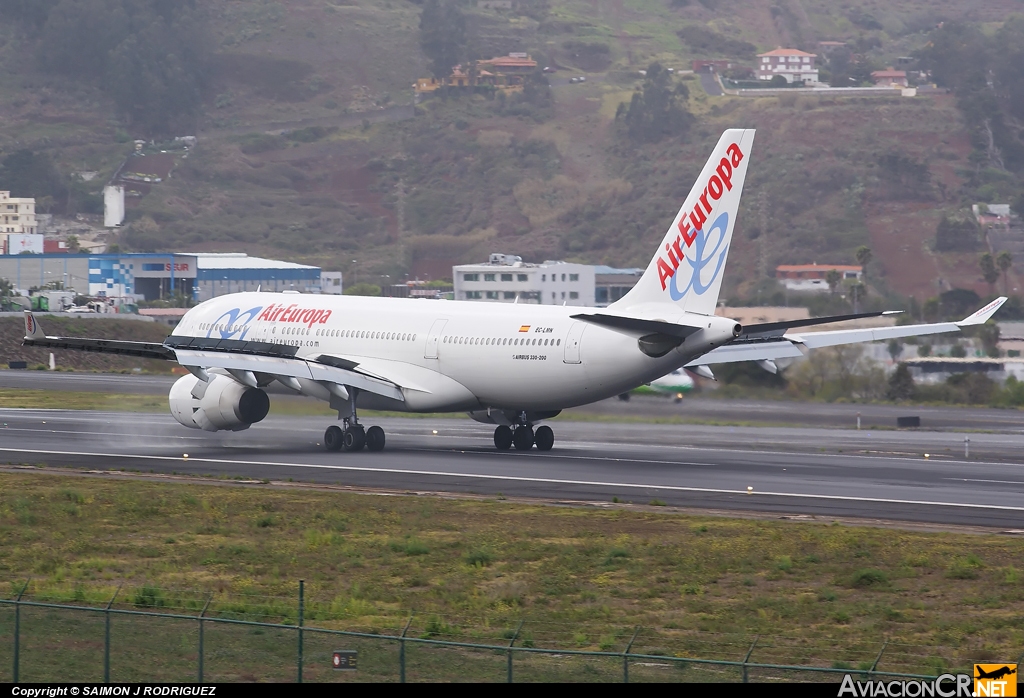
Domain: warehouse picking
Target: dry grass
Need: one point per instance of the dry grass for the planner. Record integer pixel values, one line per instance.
(470, 569)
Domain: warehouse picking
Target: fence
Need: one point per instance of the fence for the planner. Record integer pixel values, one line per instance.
(67, 640)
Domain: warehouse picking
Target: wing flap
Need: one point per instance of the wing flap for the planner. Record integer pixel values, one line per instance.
(730, 353)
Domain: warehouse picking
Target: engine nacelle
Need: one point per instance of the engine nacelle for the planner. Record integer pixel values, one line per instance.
(220, 403)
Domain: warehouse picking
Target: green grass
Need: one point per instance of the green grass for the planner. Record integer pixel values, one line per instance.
(470, 570)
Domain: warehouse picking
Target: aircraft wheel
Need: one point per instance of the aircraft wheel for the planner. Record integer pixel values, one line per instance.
(334, 438)
(624, 397)
(522, 438)
(374, 439)
(544, 438)
(503, 438)
(355, 438)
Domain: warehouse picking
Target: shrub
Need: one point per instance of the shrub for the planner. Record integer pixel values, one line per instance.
(149, 597)
(478, 558)
(966, 568)
(869, 578)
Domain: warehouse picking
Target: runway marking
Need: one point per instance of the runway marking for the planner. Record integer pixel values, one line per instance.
(998, 482)
(518, 478)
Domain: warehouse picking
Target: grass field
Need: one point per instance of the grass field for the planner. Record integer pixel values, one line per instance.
(581, 578)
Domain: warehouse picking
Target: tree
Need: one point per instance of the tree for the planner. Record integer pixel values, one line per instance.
(73, 245)
(864, 256)
(833, 278)
(442, 36)
(957, 231)
(1004, 260)
(988, 269)
(27, 173)
(895, 348)
(363, 289)
(1018, 205)
(901, 384)
(656, 110)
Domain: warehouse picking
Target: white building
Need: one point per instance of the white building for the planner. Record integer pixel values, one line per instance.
(231, 272)
(17, 216)
(792, 64)
(330, 282)
(505, 278)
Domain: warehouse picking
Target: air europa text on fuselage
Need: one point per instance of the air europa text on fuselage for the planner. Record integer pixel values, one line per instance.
(689, 225)
(293, 313)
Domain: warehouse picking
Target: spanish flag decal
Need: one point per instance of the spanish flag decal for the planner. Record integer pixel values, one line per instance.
(524, 328)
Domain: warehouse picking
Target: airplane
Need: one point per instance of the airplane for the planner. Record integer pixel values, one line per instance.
(675, 383)
(508, 365)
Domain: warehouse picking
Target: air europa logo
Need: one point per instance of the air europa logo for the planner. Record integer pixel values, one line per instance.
(293, 313)
(232, 323)
(691, 231)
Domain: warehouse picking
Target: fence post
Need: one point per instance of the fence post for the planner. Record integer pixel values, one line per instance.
(747, 658)
(625, 656)
(106, 635)
(17, 630)
(302, 601)
(201, 647)
(401, 652)
(878, 658)
(510, 643)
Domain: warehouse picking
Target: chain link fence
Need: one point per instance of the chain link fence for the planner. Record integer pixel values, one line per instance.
(160, 635)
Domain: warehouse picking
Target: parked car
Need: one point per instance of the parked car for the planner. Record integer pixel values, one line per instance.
(581, 79)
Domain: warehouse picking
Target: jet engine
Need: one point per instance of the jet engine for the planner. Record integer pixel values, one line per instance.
(220, 403)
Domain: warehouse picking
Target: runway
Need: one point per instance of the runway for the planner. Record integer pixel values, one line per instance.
(799, 471)
(696, 408)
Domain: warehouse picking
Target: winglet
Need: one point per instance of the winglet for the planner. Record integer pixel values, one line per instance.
(980, 317)
(32, 328)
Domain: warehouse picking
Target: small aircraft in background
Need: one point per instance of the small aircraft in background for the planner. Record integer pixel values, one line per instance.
(677, 383)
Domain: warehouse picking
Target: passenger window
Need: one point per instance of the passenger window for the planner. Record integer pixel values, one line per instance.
(559, 342)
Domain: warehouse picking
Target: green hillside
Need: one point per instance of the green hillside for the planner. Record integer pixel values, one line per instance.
(308, 149)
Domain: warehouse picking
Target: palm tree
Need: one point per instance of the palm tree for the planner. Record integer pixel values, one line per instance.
(833, 279)
(864, 258)
(1004, 260)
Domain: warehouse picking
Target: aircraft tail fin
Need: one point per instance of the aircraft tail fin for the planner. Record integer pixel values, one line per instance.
(32, 328)
(687, 267)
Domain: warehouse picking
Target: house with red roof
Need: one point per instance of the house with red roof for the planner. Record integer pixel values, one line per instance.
(794, 65)
(890, 78)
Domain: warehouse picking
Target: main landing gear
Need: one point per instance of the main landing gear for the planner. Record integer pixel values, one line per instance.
(353, 437)
(523, 437)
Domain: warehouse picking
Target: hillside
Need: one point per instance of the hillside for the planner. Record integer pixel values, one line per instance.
(305, 151)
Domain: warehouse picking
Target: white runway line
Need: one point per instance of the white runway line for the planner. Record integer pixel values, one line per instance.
(516, 478)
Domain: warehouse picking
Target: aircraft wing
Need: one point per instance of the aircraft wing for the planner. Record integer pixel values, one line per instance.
(242, 359)
(35, 337)
(793, 345)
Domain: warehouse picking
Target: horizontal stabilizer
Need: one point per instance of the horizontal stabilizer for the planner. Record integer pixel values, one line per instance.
(637, 325)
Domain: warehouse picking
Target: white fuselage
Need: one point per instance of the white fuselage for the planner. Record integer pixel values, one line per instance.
(453, 355)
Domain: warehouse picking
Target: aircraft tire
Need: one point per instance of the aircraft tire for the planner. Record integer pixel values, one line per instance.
(334, 438)
(624, 397)
(544, 438)
(522, 438)
(503, 438)
(355, 438)
(374, 439)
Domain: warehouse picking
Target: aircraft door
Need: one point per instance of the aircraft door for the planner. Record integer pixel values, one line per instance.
(430, 352)
(572, 343)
